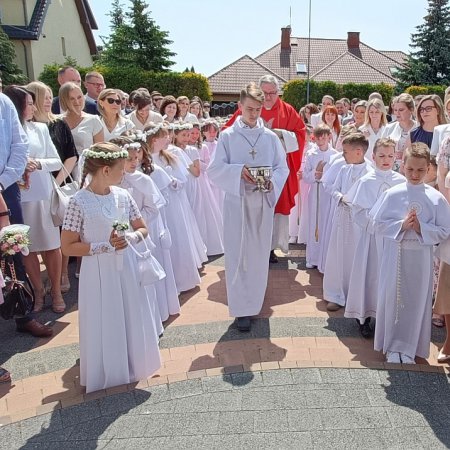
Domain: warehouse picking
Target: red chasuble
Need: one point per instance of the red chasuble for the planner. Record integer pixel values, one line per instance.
(285, 117)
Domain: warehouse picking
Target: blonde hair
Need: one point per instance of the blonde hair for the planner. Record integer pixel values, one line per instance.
(379, 105)
(252, 91)
(384, 142)
(64, 93)
(92, 165)
(161, 131)
(102, 97)
(407, 99)
(40, 90)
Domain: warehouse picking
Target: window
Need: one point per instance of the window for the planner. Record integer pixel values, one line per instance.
(300, 68)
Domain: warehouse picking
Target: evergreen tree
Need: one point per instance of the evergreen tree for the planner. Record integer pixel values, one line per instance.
(10, 71)
(429, 63)
(192, 69)
(136, 41)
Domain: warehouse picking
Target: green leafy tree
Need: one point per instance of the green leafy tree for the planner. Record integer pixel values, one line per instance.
(10, 71)
(136, 41)
(429, 63)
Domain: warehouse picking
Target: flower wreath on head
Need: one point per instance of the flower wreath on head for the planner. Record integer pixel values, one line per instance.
(138, 135)
(180, 126)
(155, 129)
(88, 153)
(132, 146)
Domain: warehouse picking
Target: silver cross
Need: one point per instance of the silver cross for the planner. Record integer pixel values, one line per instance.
(253, 152)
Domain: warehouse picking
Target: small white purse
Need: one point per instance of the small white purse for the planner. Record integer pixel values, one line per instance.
(150, 271)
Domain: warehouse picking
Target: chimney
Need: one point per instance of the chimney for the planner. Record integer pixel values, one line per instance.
(353, 41)
(286, 38)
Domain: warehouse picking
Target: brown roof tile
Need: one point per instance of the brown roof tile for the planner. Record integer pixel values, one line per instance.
(232, 78)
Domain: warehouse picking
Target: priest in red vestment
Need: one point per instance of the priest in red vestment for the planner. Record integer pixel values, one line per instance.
(284, 120)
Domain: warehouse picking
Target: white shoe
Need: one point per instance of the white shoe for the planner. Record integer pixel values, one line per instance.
(310, 266)
(407, 359)
(393, 357)
(293, 240)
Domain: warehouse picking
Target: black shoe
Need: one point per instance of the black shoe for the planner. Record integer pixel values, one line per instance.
(243, 323)
(366, 330)
(273, 258)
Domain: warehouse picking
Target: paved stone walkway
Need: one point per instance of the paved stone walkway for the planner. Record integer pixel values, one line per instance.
(303, 378)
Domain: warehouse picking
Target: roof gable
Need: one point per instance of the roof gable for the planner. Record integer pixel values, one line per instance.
(233, 77)
(348, 68)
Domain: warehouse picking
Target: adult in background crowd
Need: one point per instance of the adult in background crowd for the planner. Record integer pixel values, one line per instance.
(169, 109)
(13, 160)
(68, 74)
(285, 122)
(94, 84)
(143, 113)
(183, 108)
(157, 98)
(327, 100)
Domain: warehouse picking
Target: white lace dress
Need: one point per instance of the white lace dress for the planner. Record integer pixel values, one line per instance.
(118, 340)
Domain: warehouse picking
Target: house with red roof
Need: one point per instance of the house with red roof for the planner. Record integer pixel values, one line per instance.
(338, 60)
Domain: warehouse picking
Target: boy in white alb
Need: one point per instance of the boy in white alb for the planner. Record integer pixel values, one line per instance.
(412, 217)
(318, 198)
(362, 291)
(344, 232)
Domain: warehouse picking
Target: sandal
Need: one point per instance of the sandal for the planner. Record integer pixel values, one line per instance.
(438, 322)
(58, 305)
(39, 300)
(5, 376)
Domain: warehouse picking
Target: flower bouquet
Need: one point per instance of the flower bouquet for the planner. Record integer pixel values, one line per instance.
(14, 239)
(120, 228)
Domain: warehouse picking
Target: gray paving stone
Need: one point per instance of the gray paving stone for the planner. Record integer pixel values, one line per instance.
(402, 416)
(271, 421)
(236, 422)
(246, 379)
(117, 403)
(10, 435)
(357, 439)
(195, 423)
(195, 403)
(306, 376)
(351, 418)
(277, 377)
(427, 379)
(225, 401)
(336, 399)
(273, 400)
(217, 384)
(186, 388)
(379, 397)
(365, 376)
(336, 376)
(128, 427)
(305, 420)
(160, 425)
(432, 437)
(137, 443)
(39, 425)
(80, 413)
(93, 429)
(394, 378)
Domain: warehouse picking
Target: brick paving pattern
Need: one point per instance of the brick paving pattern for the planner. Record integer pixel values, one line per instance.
(302, 378)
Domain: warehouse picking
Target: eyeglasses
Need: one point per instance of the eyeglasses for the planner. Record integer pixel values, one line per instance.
(426, 109)
(114, 100)
(271, 93)
(97, 85)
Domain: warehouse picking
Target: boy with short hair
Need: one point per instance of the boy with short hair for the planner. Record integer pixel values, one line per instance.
(362, 292)
(411, 217)
(318, 199)
(344, 232)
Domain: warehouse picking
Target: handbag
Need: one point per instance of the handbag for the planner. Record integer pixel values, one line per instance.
(61, 196)
(150, 271)
(18, 299)
(165, 239)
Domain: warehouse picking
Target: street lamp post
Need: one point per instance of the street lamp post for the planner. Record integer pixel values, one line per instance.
(309, 54)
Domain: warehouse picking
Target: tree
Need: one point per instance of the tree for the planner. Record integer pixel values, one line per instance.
(10, 71)
(429, 63)
(136, 41)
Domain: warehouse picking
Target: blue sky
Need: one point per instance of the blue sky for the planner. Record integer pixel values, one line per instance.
(210, 34)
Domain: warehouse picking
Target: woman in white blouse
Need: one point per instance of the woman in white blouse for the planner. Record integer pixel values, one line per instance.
(86, 129)
(43, 159)
(374, 123)
(143, 115)
(109, 105)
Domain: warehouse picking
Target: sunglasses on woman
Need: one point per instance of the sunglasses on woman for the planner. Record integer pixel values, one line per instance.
(113, 100)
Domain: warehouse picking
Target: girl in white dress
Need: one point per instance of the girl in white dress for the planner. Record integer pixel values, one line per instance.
(152, 205)
(118, 342)
(210, 130)
(206, 210)
(183, 251)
